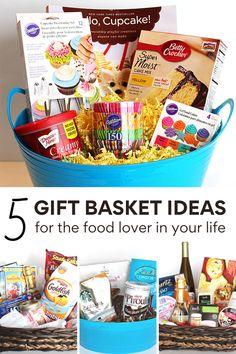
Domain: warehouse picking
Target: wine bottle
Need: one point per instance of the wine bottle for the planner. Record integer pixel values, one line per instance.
(180, 313)
(187, 271)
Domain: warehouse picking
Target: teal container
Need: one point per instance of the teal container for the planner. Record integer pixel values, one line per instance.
(117, 338)
(182, 171)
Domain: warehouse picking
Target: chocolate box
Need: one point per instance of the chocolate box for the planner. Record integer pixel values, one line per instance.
(218, 276)
(180, 67)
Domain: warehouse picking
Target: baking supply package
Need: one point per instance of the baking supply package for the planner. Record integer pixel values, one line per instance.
(180, 67)
(54, 82)
(184, 128)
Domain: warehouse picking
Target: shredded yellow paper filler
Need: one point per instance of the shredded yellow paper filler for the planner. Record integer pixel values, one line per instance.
(151, 113)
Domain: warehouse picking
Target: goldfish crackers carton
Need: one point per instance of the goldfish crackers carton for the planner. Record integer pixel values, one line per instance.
(60, 292)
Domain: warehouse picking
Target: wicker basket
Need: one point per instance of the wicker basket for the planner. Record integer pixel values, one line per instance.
(197, 338)
(22, 339)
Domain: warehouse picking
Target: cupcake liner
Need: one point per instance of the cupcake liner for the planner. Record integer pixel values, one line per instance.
(67, 90)
(120, 134)
(57, 65)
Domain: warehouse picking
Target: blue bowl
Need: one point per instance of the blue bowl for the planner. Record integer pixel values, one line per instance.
(125, 337)
(182, 171)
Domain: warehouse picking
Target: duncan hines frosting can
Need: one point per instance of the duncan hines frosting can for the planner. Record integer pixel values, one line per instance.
(136, 300)
(54, 137)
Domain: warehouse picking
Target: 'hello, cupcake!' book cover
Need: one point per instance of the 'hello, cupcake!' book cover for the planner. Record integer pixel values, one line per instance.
(59, 73)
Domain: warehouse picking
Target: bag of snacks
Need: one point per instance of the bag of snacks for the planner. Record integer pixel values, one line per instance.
(60, 292)
(54, 259)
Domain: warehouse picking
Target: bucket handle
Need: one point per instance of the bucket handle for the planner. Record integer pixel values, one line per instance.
(217, 110)
(14, 91)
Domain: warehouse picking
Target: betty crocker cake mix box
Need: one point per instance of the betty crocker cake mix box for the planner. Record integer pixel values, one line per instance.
(179, 67)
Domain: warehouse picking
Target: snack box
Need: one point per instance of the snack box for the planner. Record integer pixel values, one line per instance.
(117, 272)
(56, 76)
(210, 313)
(218, 276)
(115, 34)
(15, 284)
(184, 128)
(175, 66)
(167, 286)
(7, 305)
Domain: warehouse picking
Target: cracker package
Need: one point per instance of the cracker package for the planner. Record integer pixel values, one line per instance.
(61, 292)
(219, 278)
(54, 259)
(180, 67)
(115, 33)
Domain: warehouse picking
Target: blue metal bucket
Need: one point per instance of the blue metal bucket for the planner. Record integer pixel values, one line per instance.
(125, 337)
(182, 171)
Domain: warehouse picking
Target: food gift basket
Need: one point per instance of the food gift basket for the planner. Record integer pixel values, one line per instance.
(38, 312)
(187, 170)
(120, 317)
(203, 318)
(150, 94)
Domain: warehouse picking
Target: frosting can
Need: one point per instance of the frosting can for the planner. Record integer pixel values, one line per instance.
(54, 137)
(136, 300)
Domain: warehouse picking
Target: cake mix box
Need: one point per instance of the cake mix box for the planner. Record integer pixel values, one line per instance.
(179, 67)
(184, 128)
(218, 277)
(57, 77)
(115, 34)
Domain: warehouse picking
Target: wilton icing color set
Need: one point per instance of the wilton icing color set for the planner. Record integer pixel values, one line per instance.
(184, 128)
